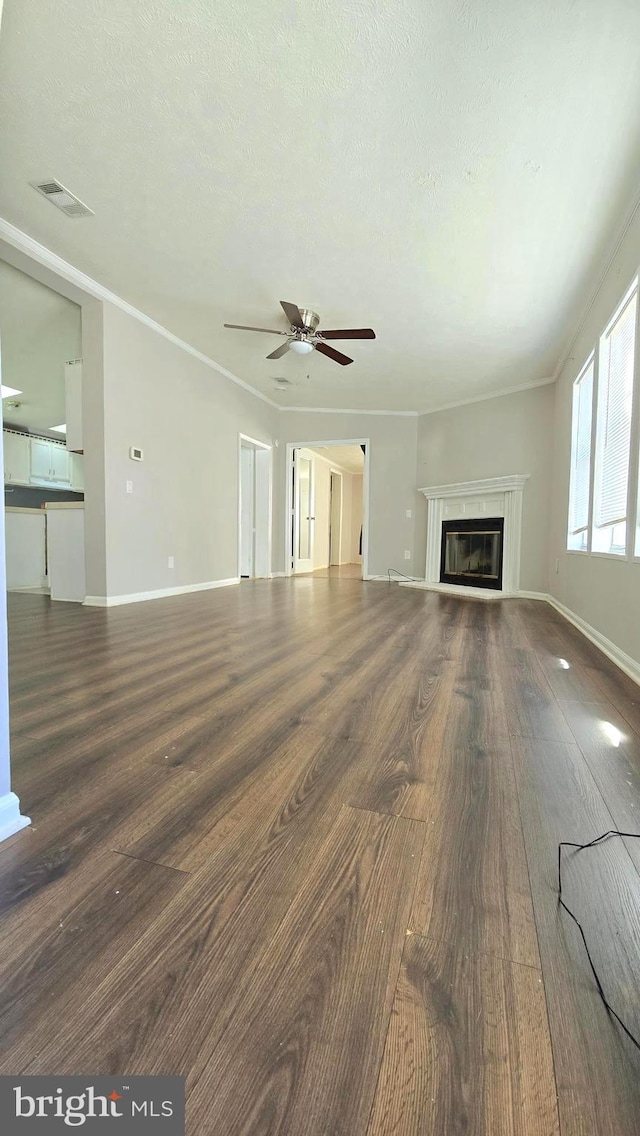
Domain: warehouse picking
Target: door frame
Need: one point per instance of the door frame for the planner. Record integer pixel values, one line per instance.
(265, 466)
(303, 564)
(288, 515)
(337, 474)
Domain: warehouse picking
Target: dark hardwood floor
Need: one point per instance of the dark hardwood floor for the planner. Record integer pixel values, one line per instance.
(297, 840)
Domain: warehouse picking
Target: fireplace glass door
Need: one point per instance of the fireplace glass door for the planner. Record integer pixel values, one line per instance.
(472, 552)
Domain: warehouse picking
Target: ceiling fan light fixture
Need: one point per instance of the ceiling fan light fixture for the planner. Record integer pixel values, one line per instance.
(301, 346)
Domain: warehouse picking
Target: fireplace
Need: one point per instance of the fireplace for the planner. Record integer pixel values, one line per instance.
(471, 552)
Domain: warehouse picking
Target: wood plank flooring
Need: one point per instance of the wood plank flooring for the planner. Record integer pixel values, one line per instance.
(297, 841)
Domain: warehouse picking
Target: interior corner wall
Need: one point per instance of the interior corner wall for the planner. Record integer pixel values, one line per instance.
(392, 471)
(494, 438)
(186, 418)
(604, 592)
(94, 448)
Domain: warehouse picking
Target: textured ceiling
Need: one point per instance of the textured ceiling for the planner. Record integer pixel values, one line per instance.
(449, 173)
(349, 458)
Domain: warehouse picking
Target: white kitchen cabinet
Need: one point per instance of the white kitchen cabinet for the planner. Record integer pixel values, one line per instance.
(60, 470)
(49, 463)
(40, 460)
(17, 458)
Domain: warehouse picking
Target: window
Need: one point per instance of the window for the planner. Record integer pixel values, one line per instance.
(613, 430)
(578, 536)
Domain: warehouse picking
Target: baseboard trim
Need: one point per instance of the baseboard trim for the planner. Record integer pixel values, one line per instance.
(625, 662)
(11, 819)
(161, 593)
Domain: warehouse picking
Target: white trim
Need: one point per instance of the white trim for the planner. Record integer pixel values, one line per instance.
(290, 447)
(495, 394)
(341, 410)
(509, 484)
(490, 497)
(160, 593)
(44, 256)
(255, 442)
(11, 819)
(459, 590)
(626, 663)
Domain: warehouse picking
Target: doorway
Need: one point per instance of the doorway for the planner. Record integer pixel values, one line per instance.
(327, 508)
(335, 519)
(254, 509)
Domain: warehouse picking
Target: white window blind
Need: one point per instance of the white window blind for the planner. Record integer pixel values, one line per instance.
(581, 451)
(615, 397)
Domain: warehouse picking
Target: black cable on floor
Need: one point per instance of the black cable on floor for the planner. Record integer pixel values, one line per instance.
(390, 570)
(570, 844)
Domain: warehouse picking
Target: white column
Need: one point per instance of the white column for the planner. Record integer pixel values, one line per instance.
(11, 819)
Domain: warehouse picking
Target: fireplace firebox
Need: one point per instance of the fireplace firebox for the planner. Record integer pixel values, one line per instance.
(471, 552)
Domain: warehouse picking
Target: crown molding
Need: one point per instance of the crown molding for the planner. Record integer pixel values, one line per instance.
(486, 397)
(91, 288)
(341, 410)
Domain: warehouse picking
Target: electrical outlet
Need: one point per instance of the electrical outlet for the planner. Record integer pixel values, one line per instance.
(408, 514)
(172, 562)
(129, 487)
(407, 554)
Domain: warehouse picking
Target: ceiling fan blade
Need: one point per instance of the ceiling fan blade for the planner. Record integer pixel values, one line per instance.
(331, 353)
(349, 333)
(281, 350)
(243, 327)
(293, 314)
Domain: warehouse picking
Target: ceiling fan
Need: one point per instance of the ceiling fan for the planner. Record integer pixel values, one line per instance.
(303, 335)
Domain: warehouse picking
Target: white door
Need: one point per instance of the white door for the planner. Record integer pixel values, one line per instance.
(303, 518)
(247, 511)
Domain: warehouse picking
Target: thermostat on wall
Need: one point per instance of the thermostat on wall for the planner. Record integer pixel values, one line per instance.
(135, 453)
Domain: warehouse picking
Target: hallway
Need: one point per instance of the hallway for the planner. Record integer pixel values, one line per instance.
(297, 840)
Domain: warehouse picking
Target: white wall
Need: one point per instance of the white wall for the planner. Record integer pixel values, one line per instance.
(25, 545)
(186, 417)
(603, 592)
(40, 331)
(500, 436)
(392, 474)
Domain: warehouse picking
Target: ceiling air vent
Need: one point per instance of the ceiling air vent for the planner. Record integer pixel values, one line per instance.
(282, 384)
(62, 198)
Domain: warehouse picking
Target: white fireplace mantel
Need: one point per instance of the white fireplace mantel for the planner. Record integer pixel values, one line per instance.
(491, 497)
